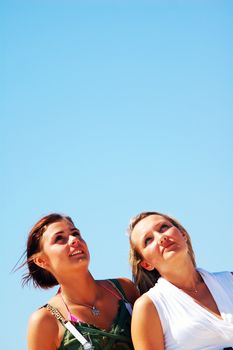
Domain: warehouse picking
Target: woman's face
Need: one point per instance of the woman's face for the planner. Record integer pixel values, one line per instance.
(158, 242)
(62, 247)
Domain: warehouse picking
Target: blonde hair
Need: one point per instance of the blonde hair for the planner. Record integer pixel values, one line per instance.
(145, 279)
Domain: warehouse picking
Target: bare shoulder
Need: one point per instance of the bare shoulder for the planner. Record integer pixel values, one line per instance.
(41, 317)
(130, 289)
(144, 304)
(144, 308)
(144, 314)
(43, 322)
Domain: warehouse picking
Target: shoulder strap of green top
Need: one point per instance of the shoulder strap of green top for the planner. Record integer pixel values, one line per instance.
(116, 284)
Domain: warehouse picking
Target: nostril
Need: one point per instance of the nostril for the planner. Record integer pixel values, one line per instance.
(162, 239)
(74, 241)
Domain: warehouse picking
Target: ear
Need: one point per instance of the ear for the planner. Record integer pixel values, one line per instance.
(185, 236)
(40, 261)
(146, 266)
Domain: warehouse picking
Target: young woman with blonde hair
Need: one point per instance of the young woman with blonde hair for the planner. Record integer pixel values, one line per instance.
(183, 307)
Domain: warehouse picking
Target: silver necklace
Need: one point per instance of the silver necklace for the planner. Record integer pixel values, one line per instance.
(194, 290)
(95, 312)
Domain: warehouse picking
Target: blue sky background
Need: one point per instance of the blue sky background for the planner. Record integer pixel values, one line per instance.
(109, 108)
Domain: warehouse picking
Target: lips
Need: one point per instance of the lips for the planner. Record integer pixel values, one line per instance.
(168, 246)
(77, 253)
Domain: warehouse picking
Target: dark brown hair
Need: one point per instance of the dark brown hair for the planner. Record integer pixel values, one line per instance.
(39, 276)
(144, 279)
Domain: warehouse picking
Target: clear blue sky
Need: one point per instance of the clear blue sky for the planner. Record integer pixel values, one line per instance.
(109, 108)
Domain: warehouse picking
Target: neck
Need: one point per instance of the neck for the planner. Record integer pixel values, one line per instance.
(81, 290)
(185, 277)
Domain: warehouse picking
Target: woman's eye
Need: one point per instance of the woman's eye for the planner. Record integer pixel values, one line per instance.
(164, 228)
(147, 241)
(76, 234)
(59, 238)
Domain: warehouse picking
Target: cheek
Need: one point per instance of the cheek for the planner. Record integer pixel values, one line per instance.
(152, 249)
(175, 232)
(180, 237)
(88, 254)
(85, 244)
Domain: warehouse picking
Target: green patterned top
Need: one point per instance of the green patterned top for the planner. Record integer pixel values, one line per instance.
(117, 338)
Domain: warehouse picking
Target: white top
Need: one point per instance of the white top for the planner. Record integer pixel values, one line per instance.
(189, 326)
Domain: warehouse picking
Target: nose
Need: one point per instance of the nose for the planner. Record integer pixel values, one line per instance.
(74, 241)
(163, 241)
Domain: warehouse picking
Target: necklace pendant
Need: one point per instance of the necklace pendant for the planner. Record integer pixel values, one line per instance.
(95, 311)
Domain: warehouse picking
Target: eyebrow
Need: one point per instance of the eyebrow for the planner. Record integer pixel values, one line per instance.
(59, 232)
(153, 227)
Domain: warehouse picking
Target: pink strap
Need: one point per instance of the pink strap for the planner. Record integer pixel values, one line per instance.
(71, 317)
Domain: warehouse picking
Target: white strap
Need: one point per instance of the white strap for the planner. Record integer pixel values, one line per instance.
(128, 307)
(86, 345)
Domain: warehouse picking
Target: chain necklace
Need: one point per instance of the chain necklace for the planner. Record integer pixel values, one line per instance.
(193, 290)
(94, 310)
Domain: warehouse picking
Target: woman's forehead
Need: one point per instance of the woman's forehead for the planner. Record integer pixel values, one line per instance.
(148, 221)
(57, 226)
(146, 224)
